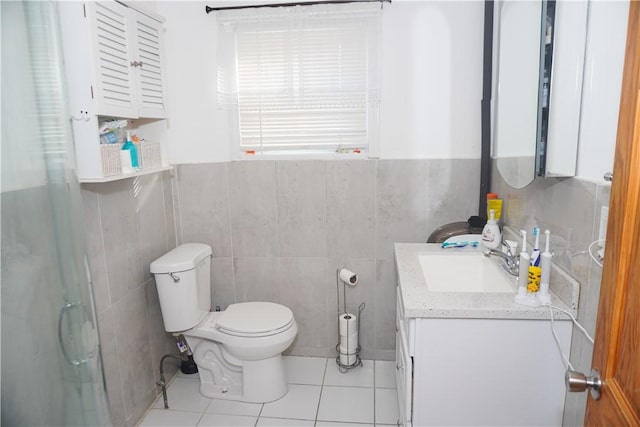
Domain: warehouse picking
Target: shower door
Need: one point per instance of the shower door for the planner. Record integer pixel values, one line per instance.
(50, 355)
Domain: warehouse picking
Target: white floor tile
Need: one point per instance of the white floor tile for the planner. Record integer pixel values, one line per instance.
(385, 374)
(346, 404)
(167, 417)
(361, 376)
(283, 422)
(346, 400)
(232, 407)
(184, 395)
(219, 420)
(301, 402)
(386, 406)
(335, 424)
(305, 370)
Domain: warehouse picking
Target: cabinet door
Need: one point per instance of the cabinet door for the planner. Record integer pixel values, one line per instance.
(147, 35)
(404, 378)
(404, 365)
(113, 56)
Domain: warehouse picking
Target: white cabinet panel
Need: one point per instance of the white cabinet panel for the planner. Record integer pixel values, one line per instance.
(148, 52)
(113, 56)
(126, 58)
(467, 372)
(489, 372)
(404, 364)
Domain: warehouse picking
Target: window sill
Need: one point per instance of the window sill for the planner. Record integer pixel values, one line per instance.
(303, 155)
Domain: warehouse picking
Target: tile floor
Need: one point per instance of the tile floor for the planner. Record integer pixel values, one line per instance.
(319, 395)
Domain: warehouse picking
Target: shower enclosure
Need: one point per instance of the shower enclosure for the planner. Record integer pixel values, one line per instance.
(50, 353)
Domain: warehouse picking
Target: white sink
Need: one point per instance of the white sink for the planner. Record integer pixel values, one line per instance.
(468, 272)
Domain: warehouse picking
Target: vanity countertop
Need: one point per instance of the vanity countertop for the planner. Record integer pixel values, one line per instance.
(419, 301)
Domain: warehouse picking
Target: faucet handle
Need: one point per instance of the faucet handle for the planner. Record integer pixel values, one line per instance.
(512, 247)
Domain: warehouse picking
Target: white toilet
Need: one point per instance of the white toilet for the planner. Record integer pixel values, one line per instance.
(238, 351)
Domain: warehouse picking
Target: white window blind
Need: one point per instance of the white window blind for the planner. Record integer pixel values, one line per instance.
(301, 78)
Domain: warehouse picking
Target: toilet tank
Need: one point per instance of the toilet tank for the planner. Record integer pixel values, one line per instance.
(183, 281)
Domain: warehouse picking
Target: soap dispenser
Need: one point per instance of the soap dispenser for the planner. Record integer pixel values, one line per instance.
(491, 235)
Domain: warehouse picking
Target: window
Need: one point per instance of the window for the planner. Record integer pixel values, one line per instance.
(301, 79)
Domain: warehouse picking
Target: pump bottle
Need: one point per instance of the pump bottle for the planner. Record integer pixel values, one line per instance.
(491, 235)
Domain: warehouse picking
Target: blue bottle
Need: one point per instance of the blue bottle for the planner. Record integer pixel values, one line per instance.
(133, 151)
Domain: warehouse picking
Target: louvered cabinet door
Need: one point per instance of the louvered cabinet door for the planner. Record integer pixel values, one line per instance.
(147, 34)
(113, 56)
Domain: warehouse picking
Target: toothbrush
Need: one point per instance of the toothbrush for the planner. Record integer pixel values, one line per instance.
(545, 263)
(446, 245)
(535, 254)
(523, 271)
(523, 296)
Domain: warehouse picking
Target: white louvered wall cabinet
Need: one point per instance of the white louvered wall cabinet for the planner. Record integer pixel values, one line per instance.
(113, 53)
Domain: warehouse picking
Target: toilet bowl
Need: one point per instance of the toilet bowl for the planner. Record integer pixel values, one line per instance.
(238, 351)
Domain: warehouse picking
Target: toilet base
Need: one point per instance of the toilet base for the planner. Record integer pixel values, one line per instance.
(224, 377)
(264, 380)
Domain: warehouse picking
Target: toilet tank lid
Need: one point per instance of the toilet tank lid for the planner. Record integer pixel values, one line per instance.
(184, 257)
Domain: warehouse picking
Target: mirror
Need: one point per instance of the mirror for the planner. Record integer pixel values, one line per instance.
(538, 65)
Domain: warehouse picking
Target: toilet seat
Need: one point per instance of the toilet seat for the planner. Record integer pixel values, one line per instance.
(245, 320)
(254, 319)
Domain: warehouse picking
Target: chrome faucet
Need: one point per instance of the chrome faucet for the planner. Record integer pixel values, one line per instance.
(511, 261)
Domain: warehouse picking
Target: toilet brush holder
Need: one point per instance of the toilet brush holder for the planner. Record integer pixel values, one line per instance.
(189, 366)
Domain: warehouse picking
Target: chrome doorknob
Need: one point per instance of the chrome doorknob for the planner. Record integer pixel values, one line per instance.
(578, 382)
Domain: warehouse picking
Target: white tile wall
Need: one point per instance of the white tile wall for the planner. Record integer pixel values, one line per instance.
(279, 229)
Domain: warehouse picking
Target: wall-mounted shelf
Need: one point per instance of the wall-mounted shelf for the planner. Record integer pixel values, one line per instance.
(125, 175)
(114, 63)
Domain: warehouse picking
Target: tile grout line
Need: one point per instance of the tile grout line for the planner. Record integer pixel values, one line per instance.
(104, 254)
(229, 224)
(260, 413)
(324, 375)
(374, 392)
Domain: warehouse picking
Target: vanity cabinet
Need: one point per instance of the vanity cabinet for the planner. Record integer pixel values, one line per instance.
(113, 57)
(479, 371)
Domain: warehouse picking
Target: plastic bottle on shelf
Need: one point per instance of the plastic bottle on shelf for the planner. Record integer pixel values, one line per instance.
(133, 152)
(495, 203)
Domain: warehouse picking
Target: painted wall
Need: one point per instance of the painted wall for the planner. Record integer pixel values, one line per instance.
(431, 89)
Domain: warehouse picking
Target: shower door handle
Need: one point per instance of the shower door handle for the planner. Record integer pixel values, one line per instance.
(90, 354)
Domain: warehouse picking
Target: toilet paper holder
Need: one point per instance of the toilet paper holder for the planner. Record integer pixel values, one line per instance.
(347, 357)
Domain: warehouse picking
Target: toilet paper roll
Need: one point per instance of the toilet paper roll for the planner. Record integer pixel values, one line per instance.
(348, 344)
(348, 324)
(348, 359)
(351, 337)
(348, 277)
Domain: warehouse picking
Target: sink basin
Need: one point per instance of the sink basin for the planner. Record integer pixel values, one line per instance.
(470, 272)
